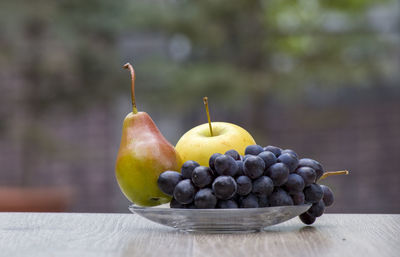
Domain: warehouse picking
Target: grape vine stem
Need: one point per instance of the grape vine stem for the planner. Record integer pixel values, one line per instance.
(332, 173)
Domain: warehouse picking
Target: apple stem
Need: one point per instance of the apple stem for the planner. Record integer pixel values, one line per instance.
(129, 66)
(332, 173)
(205, 100)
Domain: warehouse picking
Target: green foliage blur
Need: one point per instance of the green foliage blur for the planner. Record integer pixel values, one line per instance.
(68, 52)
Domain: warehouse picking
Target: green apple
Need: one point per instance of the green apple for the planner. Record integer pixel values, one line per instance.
(198, 145)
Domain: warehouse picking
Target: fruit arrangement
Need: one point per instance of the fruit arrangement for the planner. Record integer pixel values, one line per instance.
(196, 175)
(262, 177)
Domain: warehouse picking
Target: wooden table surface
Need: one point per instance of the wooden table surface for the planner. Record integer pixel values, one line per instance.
(79, 235)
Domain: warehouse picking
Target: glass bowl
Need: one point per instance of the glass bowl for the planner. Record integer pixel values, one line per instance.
(219, 220)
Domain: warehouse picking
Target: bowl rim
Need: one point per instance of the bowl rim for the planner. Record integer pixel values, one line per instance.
(163, 209)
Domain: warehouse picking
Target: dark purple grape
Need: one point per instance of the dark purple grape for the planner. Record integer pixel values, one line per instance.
(307, 218)
(240, 171)
(289, 151)
(279, 173)
(268, 157)
(224, 187)
(205, 199)
(328, 196)
(275, 150)
(306, 162)
(187, 169)
(211, 161)
(253, 150)
(290, 161)
(254, 167)
(225, 165)
(184, 191)
(308, 174)
(234, 154)
(227, 204)
(317, 209)
(202, 176)
(280, 198)
(249, 201)
(262, 186)
(244, 185)
(298, 198)
(246, 156)
(263, 201)
(190, 206)
(313, 193)
(294, 184)
(168, 180)
(175, 204)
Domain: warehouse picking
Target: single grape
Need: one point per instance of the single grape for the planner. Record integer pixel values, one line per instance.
(306, 162)
(294, 184)
(249, 201)
(313, 193)
(262, 186)
(307, 218)
(246, 156)
(211, 161)
(234, 154)
(202, 176)
(275, 150)
(187, 169)
(225, 165)
(328, 196)
(308, 174)
(290, 161)
(184, 191)
(227, 204)
(240, 171)
(298, 198)
(280, 197)
(263, 201)
(224, 187)
(205, 199)
(289, 151)
(253, 149)
(317, 209)
(279, 173)
(268, 157)
(168, 180)
(254, 167)
(244, 185)
(175, 204)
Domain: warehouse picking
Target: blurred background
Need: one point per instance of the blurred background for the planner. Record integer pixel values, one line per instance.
(320, 77)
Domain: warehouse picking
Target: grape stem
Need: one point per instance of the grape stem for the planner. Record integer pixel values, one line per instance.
(332, 173)
(129, 66)
(205, 100)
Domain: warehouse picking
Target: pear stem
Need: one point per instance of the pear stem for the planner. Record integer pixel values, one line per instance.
(332, 173)
(205, 100)
(129, 66)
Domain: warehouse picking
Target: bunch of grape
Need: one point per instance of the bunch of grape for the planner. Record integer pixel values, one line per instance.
(263, 177)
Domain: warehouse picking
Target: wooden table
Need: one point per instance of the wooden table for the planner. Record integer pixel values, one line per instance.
(79, 235)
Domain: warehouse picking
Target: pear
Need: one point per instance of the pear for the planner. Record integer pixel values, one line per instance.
(143, 155)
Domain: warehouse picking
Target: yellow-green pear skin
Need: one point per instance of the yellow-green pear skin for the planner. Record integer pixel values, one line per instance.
(143, 155)
(198, 145)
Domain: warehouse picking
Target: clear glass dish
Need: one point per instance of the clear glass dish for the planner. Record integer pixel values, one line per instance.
(219, 220)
